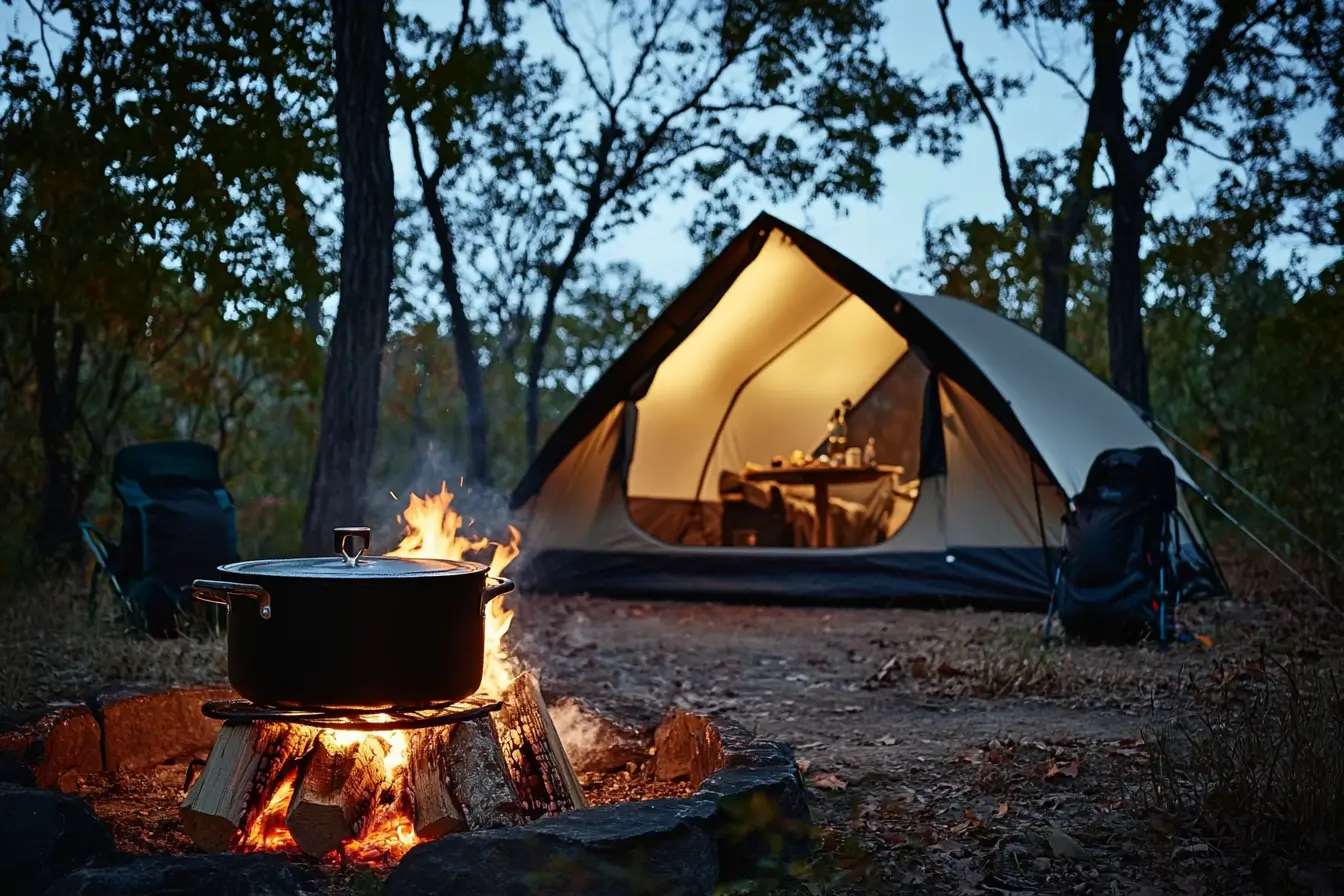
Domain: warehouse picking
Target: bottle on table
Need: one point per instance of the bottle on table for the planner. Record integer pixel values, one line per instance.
(870, 453)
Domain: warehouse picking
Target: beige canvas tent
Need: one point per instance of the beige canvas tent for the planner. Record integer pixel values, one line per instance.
(982, 430)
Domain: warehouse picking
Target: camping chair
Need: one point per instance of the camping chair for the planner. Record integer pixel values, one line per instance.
(178, 524)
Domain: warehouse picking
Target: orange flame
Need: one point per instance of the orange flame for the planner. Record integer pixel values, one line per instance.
(432, 531)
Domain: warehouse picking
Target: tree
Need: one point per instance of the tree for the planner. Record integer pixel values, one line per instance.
(793, 99)
(1228, 66)
(1052, 218)
(465, 98)
(349, 424)
(130, 219)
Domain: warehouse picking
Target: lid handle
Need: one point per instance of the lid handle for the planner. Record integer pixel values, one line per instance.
(345, 538)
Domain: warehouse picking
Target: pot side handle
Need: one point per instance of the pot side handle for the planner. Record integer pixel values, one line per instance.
(215, 592)
(496, 586)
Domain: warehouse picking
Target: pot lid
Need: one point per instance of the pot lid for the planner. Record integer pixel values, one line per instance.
(375, 567)
(351, 562)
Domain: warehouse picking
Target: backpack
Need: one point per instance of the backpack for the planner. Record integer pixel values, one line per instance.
(1116, 579)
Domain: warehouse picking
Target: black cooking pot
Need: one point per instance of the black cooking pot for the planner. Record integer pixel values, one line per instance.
(353, 631)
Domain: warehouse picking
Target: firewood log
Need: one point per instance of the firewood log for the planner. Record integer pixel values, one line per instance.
(535, 757)
(338, 785)
(245, 764)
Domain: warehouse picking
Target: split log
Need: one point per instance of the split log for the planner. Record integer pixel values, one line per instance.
(459, 780)
(338, 785)
(246, 763)
(536, 758)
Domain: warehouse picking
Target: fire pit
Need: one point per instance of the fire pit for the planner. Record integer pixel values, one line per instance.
(687, 802)
(490, 793)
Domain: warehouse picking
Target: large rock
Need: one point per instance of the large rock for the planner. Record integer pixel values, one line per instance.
(44, 834)
(14, 769)
(686, 747)
(208, 875)
(146, 726)
(762, 821)
(593, 742)
(59, 742)
(664, 847)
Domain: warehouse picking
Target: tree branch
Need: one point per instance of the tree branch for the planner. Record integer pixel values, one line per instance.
(1037, 51)
(1010, 192)
(562, 31)
(1206, 60)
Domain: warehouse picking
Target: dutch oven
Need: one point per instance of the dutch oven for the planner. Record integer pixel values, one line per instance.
(354, 631)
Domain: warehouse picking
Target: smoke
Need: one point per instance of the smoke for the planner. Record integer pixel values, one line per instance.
(581, 732)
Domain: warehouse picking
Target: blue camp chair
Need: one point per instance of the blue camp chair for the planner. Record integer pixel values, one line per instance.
(178, 523)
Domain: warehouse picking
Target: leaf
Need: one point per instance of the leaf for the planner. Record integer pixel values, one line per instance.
(1068, 770)
(1064, 846)
(1001, 811)
(885, 740)
(829, 781)
(803, 765)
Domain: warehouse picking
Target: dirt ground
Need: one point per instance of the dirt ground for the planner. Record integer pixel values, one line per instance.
(945, 750)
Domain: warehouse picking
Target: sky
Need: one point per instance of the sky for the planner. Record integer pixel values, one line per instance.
(884, 236)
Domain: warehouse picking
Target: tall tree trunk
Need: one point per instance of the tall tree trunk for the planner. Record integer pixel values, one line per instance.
(1055, 288)
(349, 427)
(62, 495)
(464, 347)
(1124, 295)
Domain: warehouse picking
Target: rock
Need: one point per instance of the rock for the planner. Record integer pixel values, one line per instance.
(686, 747)
(14, 769)
(59, 742)
(1066, 847)
(654, 847)
(44, 834)
(594, 742)
(205, 875)
(144, 727)
(761, 819)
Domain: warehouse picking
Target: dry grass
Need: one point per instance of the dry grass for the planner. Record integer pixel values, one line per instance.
(54, 648)
(1260, 765)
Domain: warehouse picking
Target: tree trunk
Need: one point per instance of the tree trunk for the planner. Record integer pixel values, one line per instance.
(1124, 296)
(62, 500)
(464, 347)
(349, 427)
(535, 364)
(1055, 290)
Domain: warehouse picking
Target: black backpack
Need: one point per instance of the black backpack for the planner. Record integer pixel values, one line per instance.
(1116, 578)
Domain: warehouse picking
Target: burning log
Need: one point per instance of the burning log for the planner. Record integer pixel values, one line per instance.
(245, 764)
(536, 759)
(460, 781)
(339, 783)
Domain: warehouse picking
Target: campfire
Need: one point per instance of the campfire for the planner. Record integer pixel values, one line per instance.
(364, 789)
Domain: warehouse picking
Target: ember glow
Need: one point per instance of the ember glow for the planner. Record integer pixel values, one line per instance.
(388, 830)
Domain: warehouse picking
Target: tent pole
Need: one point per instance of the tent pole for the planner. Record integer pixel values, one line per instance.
(1270, 551)
(1248, 493)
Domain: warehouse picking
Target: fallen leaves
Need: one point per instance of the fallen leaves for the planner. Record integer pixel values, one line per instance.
(1064, 846)
(885, 740)
(828, 781)
(1069, 769)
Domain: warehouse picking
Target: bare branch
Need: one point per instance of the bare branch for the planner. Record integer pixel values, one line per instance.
(1213, 154)
(562, 31)
(1010, 191)
(646, 52)
(1037, 51)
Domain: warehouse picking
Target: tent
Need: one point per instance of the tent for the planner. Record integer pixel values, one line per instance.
(985, 427)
